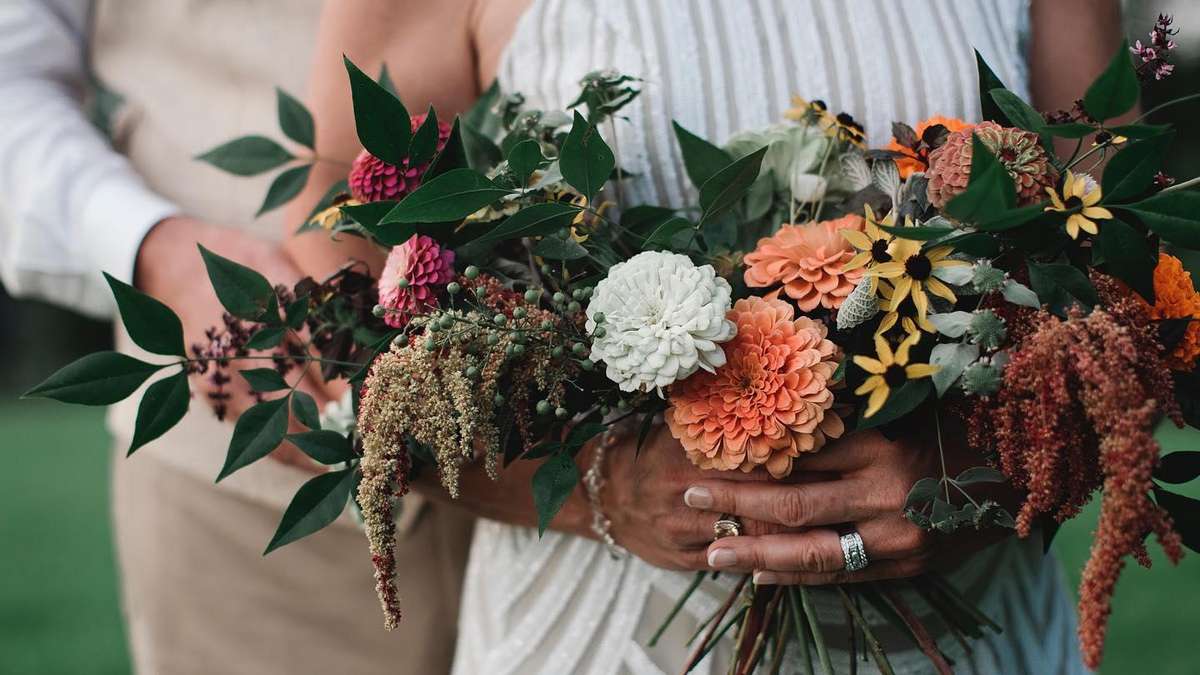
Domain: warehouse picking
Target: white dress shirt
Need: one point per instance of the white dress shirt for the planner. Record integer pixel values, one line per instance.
(70, 205)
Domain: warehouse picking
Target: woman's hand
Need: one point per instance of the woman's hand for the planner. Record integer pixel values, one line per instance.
(644, 498)
(867, 479)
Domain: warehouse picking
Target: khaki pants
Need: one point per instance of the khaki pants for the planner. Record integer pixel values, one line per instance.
(200, 597)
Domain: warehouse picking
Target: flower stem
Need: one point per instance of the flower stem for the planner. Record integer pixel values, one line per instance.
(678, 606)
(881, 659)
(815, 626)
(1182, 186)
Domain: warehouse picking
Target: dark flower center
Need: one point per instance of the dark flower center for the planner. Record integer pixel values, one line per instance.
(895, 376)
(1073, 202)
(918, 267)
(1008, 155)
(879, 252)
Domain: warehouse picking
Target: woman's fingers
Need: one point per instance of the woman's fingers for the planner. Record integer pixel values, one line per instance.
(786, 504)
(883, 570)
(819, 551)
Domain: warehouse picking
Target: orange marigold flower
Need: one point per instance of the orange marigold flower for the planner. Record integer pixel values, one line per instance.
(911, 163)
(770, 402)
(1175, 298)
(809, 260)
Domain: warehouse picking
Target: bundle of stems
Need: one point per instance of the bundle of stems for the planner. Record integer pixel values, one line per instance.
(768, 621)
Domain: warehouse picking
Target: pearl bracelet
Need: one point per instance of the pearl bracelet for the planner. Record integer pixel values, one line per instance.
(593, 482)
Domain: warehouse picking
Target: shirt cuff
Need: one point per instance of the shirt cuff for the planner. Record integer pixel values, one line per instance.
(117, 217)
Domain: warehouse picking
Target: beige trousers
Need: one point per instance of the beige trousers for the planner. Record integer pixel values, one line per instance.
(200, 597)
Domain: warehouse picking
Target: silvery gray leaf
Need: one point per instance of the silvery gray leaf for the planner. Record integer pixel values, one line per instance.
(855, 170)
(1019, 294)
(951, 359)
(886, 176)
(951, 324)
(859, 306)
(956, 275)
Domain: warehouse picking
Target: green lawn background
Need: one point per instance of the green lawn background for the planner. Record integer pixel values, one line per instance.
(59, 610)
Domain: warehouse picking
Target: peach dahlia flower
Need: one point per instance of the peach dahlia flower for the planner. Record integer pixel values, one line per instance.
(771, 400)
(809, 261)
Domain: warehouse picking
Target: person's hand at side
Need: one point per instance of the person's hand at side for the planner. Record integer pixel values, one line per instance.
(169, 268)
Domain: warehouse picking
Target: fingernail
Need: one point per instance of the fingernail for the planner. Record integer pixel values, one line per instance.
(766, 578)
(698, 498)
(722, 557)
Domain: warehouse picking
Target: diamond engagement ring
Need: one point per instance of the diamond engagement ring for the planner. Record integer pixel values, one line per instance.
(853, 552)
(726, 526)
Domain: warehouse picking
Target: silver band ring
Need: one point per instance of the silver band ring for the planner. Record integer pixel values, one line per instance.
(726, 526)
(853, 552)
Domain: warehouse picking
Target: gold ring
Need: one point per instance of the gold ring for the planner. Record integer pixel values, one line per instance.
(726, 526)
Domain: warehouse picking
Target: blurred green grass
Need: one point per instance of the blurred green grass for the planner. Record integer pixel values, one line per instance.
(59, 610)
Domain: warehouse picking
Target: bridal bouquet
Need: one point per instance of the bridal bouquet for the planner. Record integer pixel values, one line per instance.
(967, 273)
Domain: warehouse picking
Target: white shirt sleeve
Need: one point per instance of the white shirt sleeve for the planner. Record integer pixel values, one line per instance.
(70, 205)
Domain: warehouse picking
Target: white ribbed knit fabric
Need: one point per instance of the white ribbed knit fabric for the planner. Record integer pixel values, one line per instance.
(562, 605)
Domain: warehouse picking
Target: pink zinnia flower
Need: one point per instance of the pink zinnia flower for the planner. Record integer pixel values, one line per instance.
(809, 261)
(372, 179)
(411, 277)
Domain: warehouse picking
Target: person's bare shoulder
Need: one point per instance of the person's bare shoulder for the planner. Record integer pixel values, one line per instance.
(492, 24)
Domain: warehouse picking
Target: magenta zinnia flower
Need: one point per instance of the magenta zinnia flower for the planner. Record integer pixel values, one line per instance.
(372, 179)
(413, 273)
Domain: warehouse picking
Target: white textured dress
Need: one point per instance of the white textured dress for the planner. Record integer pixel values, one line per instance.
(561, 604)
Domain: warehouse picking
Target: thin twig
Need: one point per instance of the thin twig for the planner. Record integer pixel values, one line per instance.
(924, 640)
(872, 643)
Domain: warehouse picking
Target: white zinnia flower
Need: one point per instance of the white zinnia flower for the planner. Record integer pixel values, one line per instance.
(664, 318)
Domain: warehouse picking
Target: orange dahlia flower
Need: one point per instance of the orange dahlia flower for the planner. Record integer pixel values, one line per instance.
(1175, 298)
(809, 260)
(911, 162)
(771, 400)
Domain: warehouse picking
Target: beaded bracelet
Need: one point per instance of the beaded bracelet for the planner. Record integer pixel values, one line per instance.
(593, 482)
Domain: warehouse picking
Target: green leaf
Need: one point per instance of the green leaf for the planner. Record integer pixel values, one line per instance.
(297, 312)
(525, 158)
(978, 244)
(383, 124)
(101, 378)
(1128, 255)
(987, 82)
(663, 234)
(553, 483)
(450, 196)
(267, 337)
(284, 188)
(1011, 218)
(264, 379)
(424, 141)
(243, 292)
(163, 405)
(989, 189)
(1178, 467)
(532, 221)
(482, 152)
(1018, 111)
(1069, 130)
(247, 156)
(326, 447)
(899, 403)
(980, 474)
(921, 492)
(1115, 91)
(1130, 172)
(557, 248)
(295, 120)
(481, 116)
(1139, 130)
(1174, 216)
(726, 187)
(304, 408)
(385, 80)
(257, 433)
(452, 156)
(920, 233)
(1185, 515)
(151, 324)
(317, 503)
(586, 161)
(701, 159)
(1060, 285)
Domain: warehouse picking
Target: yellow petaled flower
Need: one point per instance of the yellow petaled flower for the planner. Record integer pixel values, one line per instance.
(871, 242)
(331, 216)
(813, 111)
(889, 370)
(911, 271)
(905, 314)
(1080, 194)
